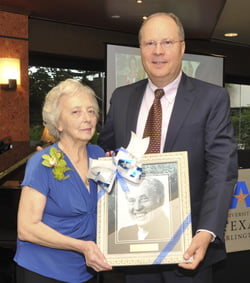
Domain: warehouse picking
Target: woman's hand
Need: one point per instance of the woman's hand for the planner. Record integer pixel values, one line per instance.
(94, 257)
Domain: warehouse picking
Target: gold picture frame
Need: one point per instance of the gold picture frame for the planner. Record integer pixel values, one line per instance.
(123, 248)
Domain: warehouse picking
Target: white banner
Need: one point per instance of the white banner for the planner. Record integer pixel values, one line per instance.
(237, 235)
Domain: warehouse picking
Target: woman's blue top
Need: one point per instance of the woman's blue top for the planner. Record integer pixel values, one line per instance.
(70, 209)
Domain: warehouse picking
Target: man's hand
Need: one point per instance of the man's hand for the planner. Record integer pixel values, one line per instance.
(197, 250)
(109, 153)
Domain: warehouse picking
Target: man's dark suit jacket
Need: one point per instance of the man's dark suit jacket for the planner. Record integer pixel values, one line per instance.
(199, 124)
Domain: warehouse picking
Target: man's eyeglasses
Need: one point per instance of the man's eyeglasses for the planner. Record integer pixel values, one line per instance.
(165, 44)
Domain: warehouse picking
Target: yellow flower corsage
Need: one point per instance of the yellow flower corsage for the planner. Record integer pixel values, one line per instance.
(55, 159)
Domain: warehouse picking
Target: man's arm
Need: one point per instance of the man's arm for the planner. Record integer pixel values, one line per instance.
(222, 168)
(106, 138)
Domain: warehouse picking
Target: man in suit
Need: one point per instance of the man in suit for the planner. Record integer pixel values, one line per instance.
(195, 118)
(145, 204)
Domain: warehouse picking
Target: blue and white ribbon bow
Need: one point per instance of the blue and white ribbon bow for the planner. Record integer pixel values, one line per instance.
(123, 166)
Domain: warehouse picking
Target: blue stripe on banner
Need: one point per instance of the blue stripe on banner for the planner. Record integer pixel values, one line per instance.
(174, 240)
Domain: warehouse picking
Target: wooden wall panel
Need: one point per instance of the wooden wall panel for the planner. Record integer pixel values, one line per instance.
(13, 25)
(14, 105)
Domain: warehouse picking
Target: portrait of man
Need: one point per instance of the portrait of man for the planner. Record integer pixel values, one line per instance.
(146, 208)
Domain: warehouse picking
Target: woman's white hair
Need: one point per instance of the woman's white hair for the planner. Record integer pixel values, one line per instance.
(51, 111)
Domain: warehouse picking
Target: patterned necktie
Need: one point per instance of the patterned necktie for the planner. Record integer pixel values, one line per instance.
(153, 124)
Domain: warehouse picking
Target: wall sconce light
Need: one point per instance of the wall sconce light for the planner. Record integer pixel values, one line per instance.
(9, 73)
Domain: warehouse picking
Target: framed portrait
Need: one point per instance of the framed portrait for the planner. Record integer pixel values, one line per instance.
(149, 222)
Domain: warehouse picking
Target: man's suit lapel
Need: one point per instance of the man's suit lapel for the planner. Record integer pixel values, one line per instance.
(135, 100)
(183, 102)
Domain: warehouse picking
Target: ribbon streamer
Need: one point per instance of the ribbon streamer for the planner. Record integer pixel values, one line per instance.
(170, 245)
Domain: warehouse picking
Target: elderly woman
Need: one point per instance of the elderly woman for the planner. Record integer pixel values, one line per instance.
(57, 209)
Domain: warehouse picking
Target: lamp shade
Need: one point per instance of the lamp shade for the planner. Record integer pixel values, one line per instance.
(9, 70)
